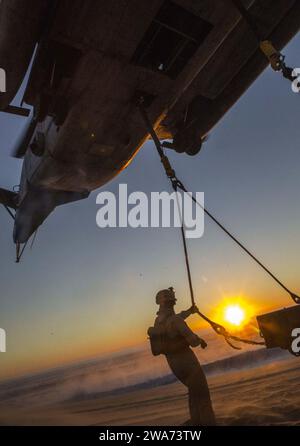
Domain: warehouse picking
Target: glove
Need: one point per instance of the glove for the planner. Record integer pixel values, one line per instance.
(194, 309)
(202, 343)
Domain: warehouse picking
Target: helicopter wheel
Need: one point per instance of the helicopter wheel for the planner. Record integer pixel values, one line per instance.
(187, 141)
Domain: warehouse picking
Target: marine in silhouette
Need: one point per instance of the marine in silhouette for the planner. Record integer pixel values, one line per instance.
(172, 337)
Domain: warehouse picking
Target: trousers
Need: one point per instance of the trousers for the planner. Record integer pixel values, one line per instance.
(187, 369)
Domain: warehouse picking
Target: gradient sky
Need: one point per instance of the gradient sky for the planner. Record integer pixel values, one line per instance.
(82, 290)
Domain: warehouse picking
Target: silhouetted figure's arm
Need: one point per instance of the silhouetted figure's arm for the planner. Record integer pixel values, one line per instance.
(186, 313)
(192, 339)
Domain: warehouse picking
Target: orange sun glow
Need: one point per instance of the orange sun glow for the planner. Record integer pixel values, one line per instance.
(234, 313)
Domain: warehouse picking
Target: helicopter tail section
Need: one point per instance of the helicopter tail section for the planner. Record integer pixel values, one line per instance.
(35, 207)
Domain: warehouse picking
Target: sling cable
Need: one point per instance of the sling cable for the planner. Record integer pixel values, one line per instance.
(177, 184)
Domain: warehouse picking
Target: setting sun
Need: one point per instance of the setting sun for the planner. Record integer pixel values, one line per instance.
(234, 314)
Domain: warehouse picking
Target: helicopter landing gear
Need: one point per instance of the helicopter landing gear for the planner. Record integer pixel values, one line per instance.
(187, 141)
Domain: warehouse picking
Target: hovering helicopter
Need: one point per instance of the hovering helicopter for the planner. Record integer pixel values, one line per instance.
(189, 60)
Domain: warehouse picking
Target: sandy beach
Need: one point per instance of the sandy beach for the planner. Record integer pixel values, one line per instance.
(264, 394)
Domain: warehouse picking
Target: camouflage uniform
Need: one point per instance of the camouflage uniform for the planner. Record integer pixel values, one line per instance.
(185, 365)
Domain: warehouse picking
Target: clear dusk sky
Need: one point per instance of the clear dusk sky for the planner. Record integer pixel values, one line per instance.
(82, 291)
